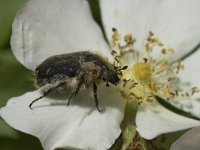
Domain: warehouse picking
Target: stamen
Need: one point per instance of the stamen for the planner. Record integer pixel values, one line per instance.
(146, 75)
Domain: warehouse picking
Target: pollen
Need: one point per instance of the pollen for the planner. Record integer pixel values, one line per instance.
(142, 72)
(147, 74)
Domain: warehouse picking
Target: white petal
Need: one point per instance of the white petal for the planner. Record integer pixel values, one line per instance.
(190, 74)
(189, 141)
(190, 78)
(47, 27)
(79, 126)
(153, 120)
(176, 23)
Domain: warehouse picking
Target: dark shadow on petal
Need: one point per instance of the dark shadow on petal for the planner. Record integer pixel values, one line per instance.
(108, 97)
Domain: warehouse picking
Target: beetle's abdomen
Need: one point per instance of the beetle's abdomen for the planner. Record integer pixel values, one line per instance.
(56, 69)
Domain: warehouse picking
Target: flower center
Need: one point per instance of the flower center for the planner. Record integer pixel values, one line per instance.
(147, 75)
(142, 72)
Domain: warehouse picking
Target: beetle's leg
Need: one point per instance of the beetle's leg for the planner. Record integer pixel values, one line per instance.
(75, 92)
(45, 94)
(95, 96)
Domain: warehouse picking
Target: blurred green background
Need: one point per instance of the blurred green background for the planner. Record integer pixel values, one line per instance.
(16, 79)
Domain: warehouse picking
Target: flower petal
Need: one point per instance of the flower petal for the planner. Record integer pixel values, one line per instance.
(189, 141)
(190, 75)
(47, 27)
(175, 23)
(79, 126)
(153, 120)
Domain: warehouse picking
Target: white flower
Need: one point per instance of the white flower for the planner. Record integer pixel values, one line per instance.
(45, 28)
(176, 23)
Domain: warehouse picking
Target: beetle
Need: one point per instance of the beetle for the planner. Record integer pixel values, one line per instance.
(73, 71)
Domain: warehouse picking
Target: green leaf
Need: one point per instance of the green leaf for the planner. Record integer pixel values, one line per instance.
(95, 10)
(174, 109)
